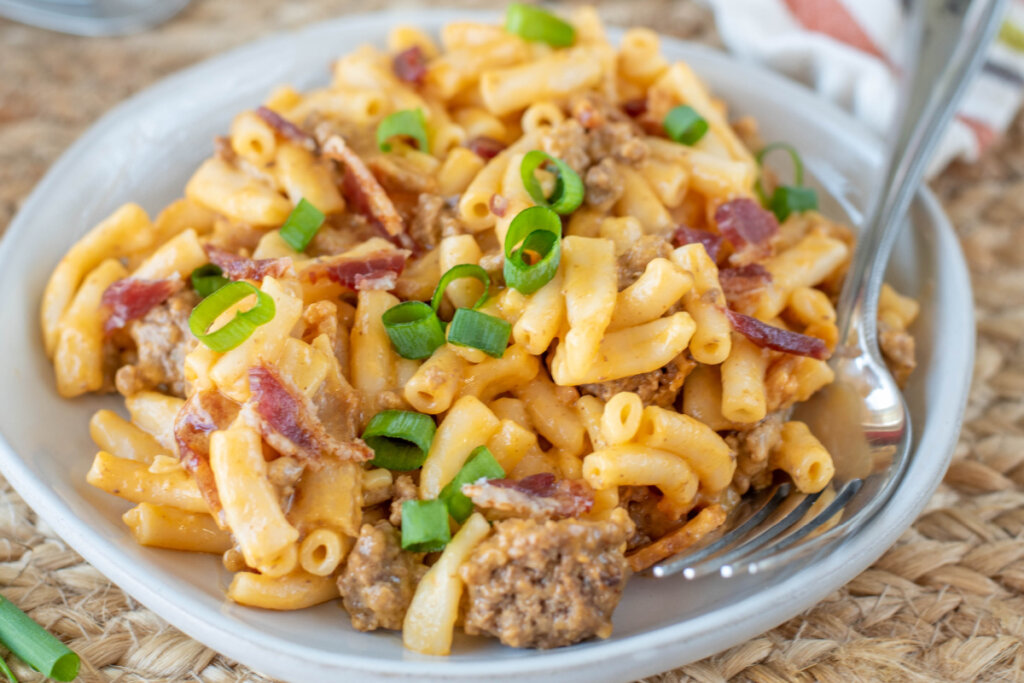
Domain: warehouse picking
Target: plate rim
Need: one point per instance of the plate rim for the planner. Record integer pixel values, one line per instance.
(241, 641)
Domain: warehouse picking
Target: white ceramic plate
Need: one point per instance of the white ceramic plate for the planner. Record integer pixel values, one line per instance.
(145, 150)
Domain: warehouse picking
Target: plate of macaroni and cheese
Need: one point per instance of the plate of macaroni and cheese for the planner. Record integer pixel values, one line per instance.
(403, 345)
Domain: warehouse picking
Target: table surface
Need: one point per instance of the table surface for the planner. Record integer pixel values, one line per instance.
(946, 603)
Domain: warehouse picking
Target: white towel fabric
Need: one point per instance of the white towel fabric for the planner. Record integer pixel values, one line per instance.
(844, 49)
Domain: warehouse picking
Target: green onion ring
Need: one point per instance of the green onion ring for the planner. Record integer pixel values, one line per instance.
(301, 225)
(786, 199)
(414, 329)
(540, 231)
(407, 122)
(241, 326)
(400, 439)
(481, 464)
(684, 125)
(534, 24)
(425, 525)
(207, 279)
(568, 193)
(458, 272)
(479, 330)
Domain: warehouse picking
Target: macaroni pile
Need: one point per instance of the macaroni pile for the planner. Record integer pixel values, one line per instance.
(626, 315)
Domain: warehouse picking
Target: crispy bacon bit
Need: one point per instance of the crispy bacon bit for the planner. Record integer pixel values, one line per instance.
(776, 338)
(288, 421)
(131, 298)
(410, 65)
(286, 128)
(376, 270)
(237, 267)
(636, 107)
(361, 187)
(711, 241)
(484, 147)
(743, 279)
(498, 204)
(743, 221)
(203, 413)
(538, 496)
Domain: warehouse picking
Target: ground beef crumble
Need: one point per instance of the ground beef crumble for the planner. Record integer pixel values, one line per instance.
(658, 387)
(633, 262)
(547, 584)
(752, 447)
(162, 340)
(379, 579)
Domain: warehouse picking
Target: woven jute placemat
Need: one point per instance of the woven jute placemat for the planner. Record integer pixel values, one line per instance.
(945, 604)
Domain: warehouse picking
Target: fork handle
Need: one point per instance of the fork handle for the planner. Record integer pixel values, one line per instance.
(950, 37)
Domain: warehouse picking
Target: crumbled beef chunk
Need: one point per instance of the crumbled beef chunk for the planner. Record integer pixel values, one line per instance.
(568, 142)
(595, 137)
(752, 447)
(162, 340)
(403, 489)
(547, 584)
(618, 140)
(656, 388)
(432, 220)
(898, 351)
(379, 579)
(649, 521)
(633, 262)
(603, 184)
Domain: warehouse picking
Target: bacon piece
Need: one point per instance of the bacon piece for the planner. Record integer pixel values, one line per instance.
(484, 147)
(288, 421)
(205, 412)
(361, 187)
(635, 107)
(132, 298)
(743, 221)
(237, 267)
(539, 496)
(711, 241)
(410, 65)
(776, 338)
(286, 128)
(743, 279)
(376, 270)
(498, 204)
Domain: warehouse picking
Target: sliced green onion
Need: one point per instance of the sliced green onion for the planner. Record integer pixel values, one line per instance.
(684, 125)
(208, 279)
(241, 326)
(406, 123)
(400, 439)
(301, 225)
(480, 465)
(786, 199)
(455, 273)
(540, 231)
(35, 647)
(534, 24)
(425, 525)
(479, 331)
(568, 193)
(414, 329)
(798, 164)
(6, 670)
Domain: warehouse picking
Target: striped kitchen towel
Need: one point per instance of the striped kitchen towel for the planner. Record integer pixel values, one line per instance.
(845, 50)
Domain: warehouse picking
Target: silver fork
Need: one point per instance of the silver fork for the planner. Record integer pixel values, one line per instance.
(780, 524)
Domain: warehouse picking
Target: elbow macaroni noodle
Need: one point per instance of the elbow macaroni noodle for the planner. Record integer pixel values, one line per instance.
(623, 372)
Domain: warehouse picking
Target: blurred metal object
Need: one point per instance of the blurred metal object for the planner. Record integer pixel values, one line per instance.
(91, 17)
